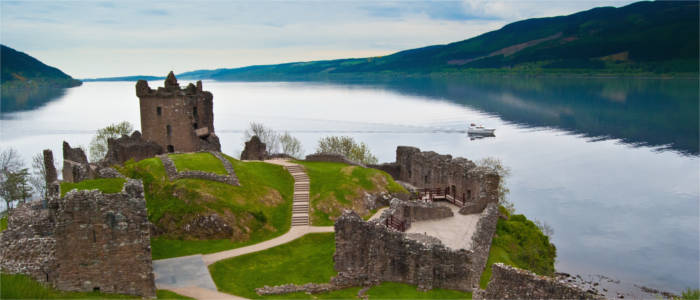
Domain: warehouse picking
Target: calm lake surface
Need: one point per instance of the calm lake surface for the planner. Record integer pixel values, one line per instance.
(611, 164)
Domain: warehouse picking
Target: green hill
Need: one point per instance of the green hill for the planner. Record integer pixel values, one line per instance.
(27, 82)
(637, 39)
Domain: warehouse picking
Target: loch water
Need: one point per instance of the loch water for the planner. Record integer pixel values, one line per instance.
(610, 164)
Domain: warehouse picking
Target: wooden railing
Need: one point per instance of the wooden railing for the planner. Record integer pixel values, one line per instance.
(440, 194)
(395, 223)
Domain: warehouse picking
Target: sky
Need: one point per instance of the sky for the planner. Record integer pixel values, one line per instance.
(89, 39)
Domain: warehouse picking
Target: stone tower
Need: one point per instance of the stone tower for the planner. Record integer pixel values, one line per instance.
(177, 119)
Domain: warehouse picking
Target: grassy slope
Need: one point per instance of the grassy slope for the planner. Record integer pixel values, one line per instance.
(202, 161)
(335, 186)
(105, 185)
(519, 243)
(311, 259)
(23, 287)
(261, 206)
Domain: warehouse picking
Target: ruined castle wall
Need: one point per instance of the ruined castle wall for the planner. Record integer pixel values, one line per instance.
(460, 177)
(482, 238)
(103, 242)
(130, 147)
(27, 245)
(176, 112)
(170, 116)
(369, 252)
(75, 164)
(411, 211)
(84, 241)
(511, 283)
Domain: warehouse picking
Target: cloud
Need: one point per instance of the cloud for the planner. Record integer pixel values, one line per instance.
(211, 34)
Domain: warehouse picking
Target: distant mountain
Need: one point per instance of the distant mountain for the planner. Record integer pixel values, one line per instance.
(27, 82)
(642, 38)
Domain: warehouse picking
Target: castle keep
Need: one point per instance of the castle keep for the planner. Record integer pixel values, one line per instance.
(177, 119)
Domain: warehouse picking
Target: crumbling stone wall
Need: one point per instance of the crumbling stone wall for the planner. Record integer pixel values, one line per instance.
(75, 164)
(51, 177)
(460, 177)
(130, 147)
(27, 246)
(84, 241)
(419, 210)
(174, 174)
(254, 149)
(368, 253)
(512, 283)
(103, 242)
(482, 238)
(178, 119)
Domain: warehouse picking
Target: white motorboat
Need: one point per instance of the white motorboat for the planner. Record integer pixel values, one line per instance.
(480, 130)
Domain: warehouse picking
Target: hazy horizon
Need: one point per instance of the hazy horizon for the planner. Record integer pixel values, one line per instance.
(89, 39)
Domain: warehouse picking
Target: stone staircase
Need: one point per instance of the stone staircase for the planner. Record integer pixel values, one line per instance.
(300, 206)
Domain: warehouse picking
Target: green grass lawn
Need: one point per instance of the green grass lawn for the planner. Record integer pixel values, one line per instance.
(519, 243)
(106, 185)
(200, 161)
(336, 186)
(259, 209)
(307, 259)
(18, 286)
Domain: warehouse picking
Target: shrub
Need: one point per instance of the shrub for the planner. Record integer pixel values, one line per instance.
(346, 146)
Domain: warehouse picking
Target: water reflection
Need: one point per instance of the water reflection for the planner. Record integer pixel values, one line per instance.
(641, 112)
(23, 99)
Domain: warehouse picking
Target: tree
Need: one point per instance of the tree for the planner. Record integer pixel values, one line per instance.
(98, 145)
(15, 187)
(10, 163)
(38, 178)
(266, 135)
(497, 166)
(347, 147)
(291, 145)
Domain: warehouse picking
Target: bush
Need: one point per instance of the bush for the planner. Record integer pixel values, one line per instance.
(347, 147)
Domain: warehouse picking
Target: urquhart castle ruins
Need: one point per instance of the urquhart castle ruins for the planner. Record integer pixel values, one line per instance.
(87, 240)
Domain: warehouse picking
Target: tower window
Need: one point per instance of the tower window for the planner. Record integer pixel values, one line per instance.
(194, 113)
(171, 148)
(159, 110)
(169, 130)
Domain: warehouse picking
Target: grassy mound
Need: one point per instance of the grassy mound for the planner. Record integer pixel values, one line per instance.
(105, 185)
(257, 210)
(336, 186)
(200, 161)
(520, 243)
(18, 286)
(311, 259)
